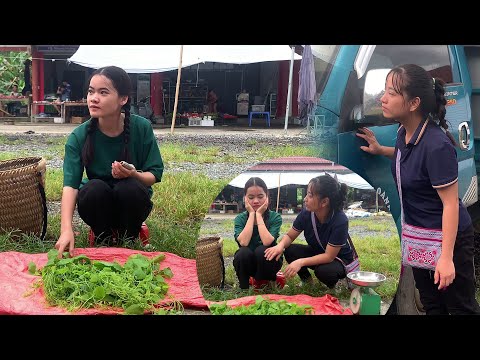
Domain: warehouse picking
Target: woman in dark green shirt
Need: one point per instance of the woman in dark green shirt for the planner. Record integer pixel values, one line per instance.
(256, 230)
(113, 200)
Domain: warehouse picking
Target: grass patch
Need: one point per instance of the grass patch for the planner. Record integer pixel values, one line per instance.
(6, 155)
(8, 140)
(266, 152)
(54, 184)
(190, 153)
(377, 224)
(180, 204)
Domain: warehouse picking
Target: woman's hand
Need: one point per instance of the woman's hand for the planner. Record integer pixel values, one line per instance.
(248, 206)
(444, 273)
(66, 242)
(263, 208)
(373, 147)
(293, 268)
(119, 172)
(274, 252)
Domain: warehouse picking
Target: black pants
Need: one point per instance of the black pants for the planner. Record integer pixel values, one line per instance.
(459, 297)
(328, 274)
(253, 263)
(122, 205)
(12, 108)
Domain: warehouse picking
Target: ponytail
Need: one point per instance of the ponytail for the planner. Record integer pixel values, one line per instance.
(126, 131)
(439, 111)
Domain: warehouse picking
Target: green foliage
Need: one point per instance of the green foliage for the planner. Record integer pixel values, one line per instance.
(11, 70)
(77, 282)
(262, 306)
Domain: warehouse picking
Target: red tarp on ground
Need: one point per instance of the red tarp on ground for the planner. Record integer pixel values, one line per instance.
(16, 281)
(325, 305)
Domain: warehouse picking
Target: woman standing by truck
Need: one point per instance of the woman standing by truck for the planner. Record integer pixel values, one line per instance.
(437, 231)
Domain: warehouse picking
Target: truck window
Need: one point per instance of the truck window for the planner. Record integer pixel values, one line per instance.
(434, 58)
(323, 59)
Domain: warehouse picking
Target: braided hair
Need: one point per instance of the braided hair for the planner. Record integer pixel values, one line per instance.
(122, 84)
(256, 181)
(413, 81)
(326, 186)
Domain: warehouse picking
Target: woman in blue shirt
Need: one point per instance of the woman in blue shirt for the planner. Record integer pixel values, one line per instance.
(325, 228)
(437, 232)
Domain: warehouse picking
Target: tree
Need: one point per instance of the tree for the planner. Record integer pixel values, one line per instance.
(12, 70)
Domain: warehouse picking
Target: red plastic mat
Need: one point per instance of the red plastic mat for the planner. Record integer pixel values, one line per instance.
(16, 282)
(325, 305)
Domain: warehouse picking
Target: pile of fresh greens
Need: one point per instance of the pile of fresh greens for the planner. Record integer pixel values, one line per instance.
(262, 306)
(77, 282)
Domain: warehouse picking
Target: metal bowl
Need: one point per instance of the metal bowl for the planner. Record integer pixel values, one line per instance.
(366, 278)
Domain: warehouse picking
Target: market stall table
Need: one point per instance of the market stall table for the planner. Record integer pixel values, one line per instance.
(71, 104)
(224, 206)
(46, 103)
(10, 99)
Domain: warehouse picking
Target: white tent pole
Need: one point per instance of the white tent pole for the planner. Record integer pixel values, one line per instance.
(289, 88)
(176, 91)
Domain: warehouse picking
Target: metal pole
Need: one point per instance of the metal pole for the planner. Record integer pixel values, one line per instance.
(289, 88)
(176, 91)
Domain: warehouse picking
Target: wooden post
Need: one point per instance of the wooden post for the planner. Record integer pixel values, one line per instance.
(278, 192)
(176, 91)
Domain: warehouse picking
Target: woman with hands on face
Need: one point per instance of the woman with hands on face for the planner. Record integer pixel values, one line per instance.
(256, 230)
(112, 200)
(329, 252)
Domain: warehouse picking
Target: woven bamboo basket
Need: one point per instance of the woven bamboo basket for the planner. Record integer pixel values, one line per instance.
(210, 266)
(23, 205)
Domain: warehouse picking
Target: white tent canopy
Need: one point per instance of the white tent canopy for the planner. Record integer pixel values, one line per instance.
(271, 179)
(160, 58)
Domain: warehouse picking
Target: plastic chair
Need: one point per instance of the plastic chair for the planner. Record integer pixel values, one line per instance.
(267, 113)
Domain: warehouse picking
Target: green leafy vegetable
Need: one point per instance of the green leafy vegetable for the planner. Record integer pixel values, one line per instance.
(262, 306)
(77, 282)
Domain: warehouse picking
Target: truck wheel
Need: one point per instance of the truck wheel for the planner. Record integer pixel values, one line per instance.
(474, 211)
(407, 296)
(476, 256)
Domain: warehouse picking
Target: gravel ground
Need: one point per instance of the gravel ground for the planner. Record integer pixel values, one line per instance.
(237, 143)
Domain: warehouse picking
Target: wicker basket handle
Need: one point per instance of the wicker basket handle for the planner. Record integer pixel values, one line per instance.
(42, 169)
(41, 172)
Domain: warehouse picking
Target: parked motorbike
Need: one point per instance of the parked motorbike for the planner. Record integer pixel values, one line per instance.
(144, 108)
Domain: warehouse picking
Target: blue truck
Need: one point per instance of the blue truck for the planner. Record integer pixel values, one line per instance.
(350, 80)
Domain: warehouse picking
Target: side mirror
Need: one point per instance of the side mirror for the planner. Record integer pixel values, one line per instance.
(373, 91)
